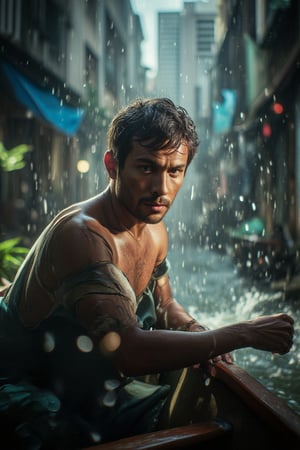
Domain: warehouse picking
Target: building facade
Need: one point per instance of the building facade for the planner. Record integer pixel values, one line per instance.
(186, 44)
(169, 47)
(258, 59)
(65, 68)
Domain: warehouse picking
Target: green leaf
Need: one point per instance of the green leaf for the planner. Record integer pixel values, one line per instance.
(13, 159)
(11, 257)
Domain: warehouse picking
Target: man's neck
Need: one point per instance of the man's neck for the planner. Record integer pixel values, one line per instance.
(123, 220)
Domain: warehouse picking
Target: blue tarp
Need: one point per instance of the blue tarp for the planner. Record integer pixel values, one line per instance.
(223, 112)
(42, 103)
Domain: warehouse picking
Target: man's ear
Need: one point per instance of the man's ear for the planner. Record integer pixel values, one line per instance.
(110, 164)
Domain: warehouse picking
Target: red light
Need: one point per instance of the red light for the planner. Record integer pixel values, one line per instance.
(277, 108)
(266, 130)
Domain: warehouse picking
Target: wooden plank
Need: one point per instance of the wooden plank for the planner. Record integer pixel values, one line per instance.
(173, 438)
(264, 403)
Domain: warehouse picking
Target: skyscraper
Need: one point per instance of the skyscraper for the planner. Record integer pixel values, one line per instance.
(168, 78)
(185, 54)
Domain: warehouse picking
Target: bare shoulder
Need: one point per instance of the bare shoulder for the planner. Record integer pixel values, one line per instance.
(79, 240)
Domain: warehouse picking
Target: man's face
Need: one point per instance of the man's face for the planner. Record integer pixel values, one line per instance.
(149, 181)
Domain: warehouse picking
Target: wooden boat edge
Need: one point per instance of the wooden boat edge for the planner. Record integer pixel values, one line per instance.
(183, 437)
(266, 406)
(258, 398)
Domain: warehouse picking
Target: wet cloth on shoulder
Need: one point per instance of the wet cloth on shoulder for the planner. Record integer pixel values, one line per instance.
(105, 280)
(131, 407)
(113, 307)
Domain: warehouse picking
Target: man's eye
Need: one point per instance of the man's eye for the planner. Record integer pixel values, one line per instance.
(146, 168)
(176, 171)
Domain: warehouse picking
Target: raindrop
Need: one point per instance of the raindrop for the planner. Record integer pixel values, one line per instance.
(109, 399)
(193, 192)
(110, 342)
(45, 205)
(207, 381)
(110, 385)
(96, 437)
(84, 344)
(49, 342)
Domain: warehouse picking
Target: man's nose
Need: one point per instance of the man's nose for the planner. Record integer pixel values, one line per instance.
(160, 184)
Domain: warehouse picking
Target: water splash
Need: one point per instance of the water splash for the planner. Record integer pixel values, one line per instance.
(208, 286)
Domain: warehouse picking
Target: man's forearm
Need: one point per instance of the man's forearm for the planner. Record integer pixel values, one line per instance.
(143, 352)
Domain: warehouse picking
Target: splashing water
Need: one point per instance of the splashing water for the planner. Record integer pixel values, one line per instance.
(207, 285)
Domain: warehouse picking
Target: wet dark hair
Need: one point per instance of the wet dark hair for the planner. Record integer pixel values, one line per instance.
(154, 123)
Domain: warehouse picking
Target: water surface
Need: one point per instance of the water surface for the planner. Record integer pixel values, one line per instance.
(207, 284)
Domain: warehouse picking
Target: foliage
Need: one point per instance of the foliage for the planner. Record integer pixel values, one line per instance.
(11, 257)
(13, 159)
(11, 254)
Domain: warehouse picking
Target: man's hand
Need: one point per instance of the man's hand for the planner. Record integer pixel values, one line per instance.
(226, 358)
(272, 333)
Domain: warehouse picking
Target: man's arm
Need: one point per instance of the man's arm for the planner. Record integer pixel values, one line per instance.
(142, 352)
(110, 320)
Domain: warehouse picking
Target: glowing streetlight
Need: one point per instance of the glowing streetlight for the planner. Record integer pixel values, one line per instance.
(83, 166)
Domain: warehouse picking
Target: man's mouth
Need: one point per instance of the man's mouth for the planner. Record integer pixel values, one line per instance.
(157, 206)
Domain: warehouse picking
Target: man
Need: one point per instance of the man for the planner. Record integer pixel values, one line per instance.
(92, 304)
